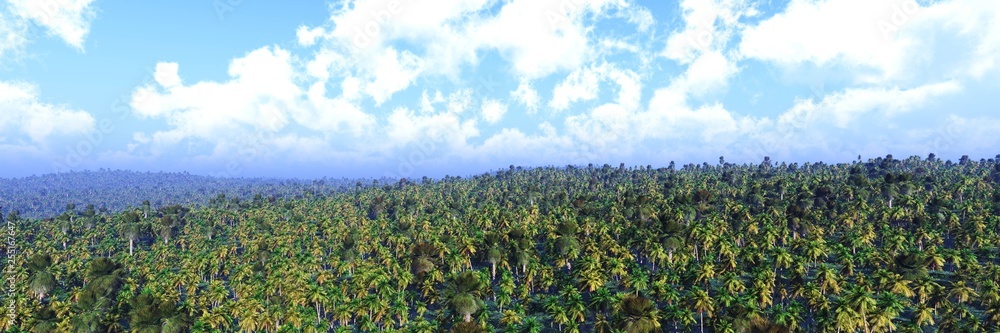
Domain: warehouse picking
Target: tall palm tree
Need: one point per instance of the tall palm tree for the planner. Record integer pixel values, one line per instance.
(42, 281)
(464, 291)
(701, 302)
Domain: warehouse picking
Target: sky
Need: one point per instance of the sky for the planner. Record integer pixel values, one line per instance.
(395, 88)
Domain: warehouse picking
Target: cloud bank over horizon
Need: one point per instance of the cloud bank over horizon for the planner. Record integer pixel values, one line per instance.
(376, 88)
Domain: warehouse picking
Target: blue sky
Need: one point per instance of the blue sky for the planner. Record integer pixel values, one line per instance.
(412, 88)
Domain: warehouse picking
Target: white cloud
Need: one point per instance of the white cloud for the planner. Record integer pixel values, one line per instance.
(511, 145)
(540, 37)
(458, 101)
(670, 116)
(12, 35)
(881, 41)
(973, 22)
(821, 32)
(404, 127)
(527, 96)
(641, 17)
(364, 29)
(842, 108)
(629, 86)
(374, 51)
(391, 72)
(308, 36)
(67, 19)
(166, 75)
(606, 128)
(493, 110)
(965, 135)
(336, 115)
(708, 26)
(609, 128)
(363, 36)
(701, 46)
(21, 112)
(584, 85)
(580, 85)
(263, 96)
(709, 72)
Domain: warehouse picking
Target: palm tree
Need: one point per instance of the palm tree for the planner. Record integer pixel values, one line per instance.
(699, 300)
(992, 314)
(131, 221)
(464, 291)
(494, 256)
(43, 281)
(637, 315)
(961, 292)
(467, 327)
(862, 302)
(755, 249)
(42, 284)
(166, 225)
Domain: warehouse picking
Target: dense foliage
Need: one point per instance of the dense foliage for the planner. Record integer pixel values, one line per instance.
(888, 245)
(48, 195)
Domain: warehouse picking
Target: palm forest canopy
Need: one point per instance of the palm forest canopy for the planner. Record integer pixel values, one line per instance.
(886, 245)
(115, 190)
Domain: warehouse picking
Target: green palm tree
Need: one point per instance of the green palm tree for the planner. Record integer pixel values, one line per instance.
(467, 327)
(637, 315)
(464, 291)
(701, 302)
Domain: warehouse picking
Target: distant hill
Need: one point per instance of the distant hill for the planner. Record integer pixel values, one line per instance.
(48, 195)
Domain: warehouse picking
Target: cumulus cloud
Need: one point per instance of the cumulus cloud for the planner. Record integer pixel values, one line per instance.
(166, 75)
(537, 36)
(584, 85)
(701, 46)
(670, 116)
(21, 112)
(526, 95)
(384, 76)
(842, 108)
(393, 71)
(580, 85)
(493, 111)
(263, 95)
(890, 40)
(28, 124)
(708, 26)
(405, 127)
(66, 19)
